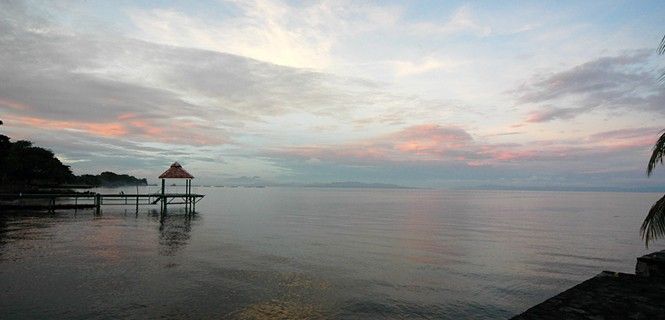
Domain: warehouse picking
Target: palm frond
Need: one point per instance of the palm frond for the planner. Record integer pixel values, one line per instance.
(656, 154)
(661, 50)
(653, 226)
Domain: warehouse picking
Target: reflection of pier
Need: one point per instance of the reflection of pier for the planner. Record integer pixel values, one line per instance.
(174, 232)
(62, 201)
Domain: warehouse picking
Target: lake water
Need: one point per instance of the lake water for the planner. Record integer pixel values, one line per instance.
(308, 253)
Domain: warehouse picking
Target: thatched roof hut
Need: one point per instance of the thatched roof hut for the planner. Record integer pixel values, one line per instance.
(176, 172)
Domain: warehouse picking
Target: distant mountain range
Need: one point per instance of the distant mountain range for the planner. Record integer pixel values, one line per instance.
(255, 181)
(355, 184)
(655, 188)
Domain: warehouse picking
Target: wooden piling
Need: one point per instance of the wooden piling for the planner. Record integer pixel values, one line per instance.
(163, 197)
(137, 198)
(98, 203)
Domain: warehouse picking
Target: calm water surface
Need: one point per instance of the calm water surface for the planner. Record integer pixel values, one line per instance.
(318, 253)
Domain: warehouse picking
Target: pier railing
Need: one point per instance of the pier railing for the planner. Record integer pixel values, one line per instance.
(55, 201)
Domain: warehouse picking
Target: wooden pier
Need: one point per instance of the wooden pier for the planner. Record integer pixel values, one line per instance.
(76, 201)
(52, 202)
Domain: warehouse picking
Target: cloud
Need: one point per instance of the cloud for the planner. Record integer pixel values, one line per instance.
(428, 64)
(11, 104)
(271, 31)
(420, 142)
(75, 77)
(133, 127)
(632, 138)
(553, 113)
(111, 129)
(115, 97)
(435, 155)
(625, 82)
(449, 145)
(430, 139)
(461, 21)
(307, 35)
(247, 91)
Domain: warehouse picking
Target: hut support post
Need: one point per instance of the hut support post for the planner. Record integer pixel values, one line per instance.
(163, 197)
(98, 203)
(189, 198)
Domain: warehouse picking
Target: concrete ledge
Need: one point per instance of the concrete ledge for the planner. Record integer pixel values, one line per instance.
(609, 295)
(651, 265)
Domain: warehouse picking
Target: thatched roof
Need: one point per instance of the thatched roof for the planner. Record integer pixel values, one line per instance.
(176, 172)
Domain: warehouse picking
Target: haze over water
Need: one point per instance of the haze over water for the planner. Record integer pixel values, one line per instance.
(318, 253)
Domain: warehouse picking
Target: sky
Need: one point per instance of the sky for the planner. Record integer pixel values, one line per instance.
(454, 94)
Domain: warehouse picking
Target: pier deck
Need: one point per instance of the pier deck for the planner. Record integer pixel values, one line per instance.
(62, 201)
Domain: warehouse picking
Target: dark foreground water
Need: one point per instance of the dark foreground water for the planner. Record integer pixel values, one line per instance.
(318, 253)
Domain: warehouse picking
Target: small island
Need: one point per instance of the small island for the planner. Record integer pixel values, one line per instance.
(109, 179)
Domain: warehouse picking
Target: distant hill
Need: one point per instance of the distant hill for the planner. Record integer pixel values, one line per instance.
(109, 179)
(355, 184)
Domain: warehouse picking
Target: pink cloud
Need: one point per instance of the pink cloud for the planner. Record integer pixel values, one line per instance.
(536, 116)
(131, 126)
(509, 155)
(12, 104)
(429, 139)
(100, 129)
(427, 142)
(128, 115)
(626, 138)
(431, 142)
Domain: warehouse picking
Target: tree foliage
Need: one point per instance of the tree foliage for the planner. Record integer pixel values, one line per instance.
(656, 154)
(653, 226)
(22, 164)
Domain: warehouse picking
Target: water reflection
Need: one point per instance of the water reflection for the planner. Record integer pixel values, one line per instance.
(310, 253)
(276, 309)
(291, 296)
(174, 232)
(3, 235)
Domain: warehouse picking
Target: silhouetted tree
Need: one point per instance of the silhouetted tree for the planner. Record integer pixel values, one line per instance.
(22, 165)
(653, 226)
(26, 164)
(4, 152)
